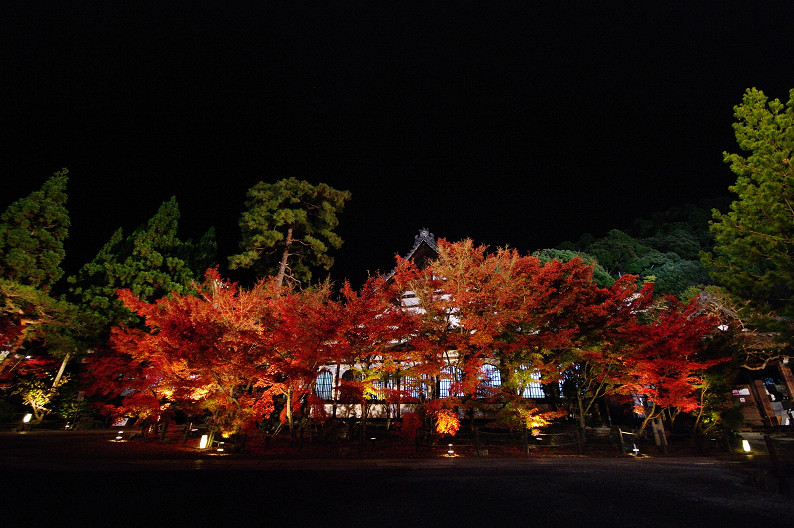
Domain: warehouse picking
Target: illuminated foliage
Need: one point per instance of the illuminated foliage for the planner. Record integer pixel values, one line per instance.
(371, 329)
(300, 336)
(212, 351)
(38, 391)
(755, 239)
(468, 318)
(447, 422)
(411, 424)
(546, 317)
(30, 318)
(151, 262)
(516, 414)
(667, 367)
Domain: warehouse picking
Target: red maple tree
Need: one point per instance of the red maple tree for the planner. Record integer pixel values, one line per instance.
(666, 367)
(474, 317)
(372, 330)
(301, 340)
(207, 352)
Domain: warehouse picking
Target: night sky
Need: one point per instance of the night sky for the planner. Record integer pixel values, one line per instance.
(514, 125)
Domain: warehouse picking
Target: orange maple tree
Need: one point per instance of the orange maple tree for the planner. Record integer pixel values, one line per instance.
(371, 333)
(208, 352)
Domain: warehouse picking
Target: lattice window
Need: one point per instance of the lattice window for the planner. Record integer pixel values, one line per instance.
(324, 386)
(387, 383)
(533, 389)
(413, 388)
(491, 377)
(450, 375)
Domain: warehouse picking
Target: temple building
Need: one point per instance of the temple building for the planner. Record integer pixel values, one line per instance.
(424, 250)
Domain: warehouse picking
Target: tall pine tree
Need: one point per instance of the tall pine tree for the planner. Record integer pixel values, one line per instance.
(288, 229)
(755, 239)
(151, 262)
(32, 233)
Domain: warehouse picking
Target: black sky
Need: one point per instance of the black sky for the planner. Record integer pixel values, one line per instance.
(510, 125)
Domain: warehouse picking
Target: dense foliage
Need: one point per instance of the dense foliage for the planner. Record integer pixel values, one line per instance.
(288, 229)
(32, 232)
(630, 316)
(755, 239)
(151, 262)
(431, 338)
(663, 248)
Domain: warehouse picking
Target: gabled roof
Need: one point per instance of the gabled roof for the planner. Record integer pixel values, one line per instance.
(423, 250)
(424, 244)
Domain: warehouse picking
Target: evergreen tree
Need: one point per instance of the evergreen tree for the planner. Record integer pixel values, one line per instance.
(663, 248)
(288, 229)
(32, 232)
(151, 262)
(755, 239)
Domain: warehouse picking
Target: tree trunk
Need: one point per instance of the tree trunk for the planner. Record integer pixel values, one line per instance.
(282, 267)
(597, 413)
(582, 421)
(60, 370)
(649, 415)
(335, 392)
(290, 418)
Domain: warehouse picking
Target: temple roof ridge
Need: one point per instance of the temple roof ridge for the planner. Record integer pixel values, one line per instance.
(424, 236)
(424, 239)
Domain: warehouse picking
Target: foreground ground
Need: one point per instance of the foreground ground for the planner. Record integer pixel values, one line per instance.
(59, 478)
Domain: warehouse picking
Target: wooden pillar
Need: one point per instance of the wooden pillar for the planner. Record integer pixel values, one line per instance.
(788, 378)
(764, 403)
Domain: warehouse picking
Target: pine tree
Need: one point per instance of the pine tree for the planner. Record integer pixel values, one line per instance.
(151, 262)
(288, 229)
(32, 233)
(755, 239)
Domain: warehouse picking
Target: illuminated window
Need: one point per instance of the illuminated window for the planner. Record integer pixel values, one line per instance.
(533, 389)
(450, 374)
(323, 388)
(387, 383)
(491, 376)
(412, 388)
